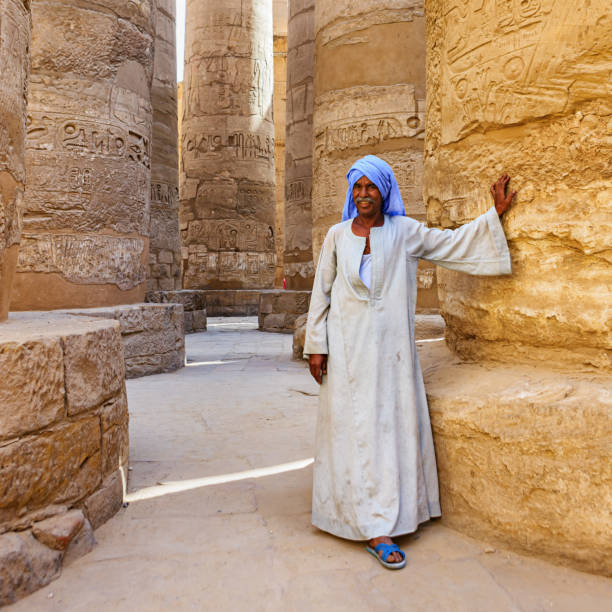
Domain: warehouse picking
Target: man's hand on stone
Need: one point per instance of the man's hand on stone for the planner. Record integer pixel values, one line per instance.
(499, 190)
(318, 366)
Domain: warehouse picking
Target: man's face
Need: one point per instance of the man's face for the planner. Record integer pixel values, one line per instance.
(366, 197)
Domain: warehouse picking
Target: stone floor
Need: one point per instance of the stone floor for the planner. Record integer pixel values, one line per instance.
(219, 510)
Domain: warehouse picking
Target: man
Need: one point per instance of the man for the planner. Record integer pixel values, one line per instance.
(375, 471)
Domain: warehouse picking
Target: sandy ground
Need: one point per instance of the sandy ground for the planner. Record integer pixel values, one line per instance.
(219, 512)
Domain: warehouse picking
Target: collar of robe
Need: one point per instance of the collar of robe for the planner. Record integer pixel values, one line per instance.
(356, 248)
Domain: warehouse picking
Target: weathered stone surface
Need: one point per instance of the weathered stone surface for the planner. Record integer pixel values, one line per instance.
(94, 367)
(107, 500)
(164, 235)
(25, 566)
(297, 254)
(230, 303)
(86, 219)
(378, 109)
(524, 456)
(61, 465)
(278, 310)
(227, 146)
(58, 532)
(299, 336)
(53, 458)
(152, 337)
(14, 67)
(194, 306)
(530, 98)
(280, 105)
(32, 388)
(83, 543)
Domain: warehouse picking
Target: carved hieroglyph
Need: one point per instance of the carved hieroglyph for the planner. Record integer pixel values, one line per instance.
(280, 104)
(14, 68)
(164, 238)
(369, 99)
(227, 193)
(297, 256)
(86, 219)
(523, 87)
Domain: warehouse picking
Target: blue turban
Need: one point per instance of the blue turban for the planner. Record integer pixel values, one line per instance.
(381, 174)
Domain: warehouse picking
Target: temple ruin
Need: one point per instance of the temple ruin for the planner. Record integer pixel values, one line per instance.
(227, 186)
(130, 210)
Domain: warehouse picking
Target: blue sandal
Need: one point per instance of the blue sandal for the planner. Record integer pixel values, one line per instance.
(387, 549)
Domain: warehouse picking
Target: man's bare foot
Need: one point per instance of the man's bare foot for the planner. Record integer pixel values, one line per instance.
(394, 557)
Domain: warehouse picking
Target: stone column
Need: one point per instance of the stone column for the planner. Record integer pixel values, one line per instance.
(86, 221)
(530, 98)
(280, 105)
(14, 68)
(227, 194)
(369, 99)
(523, 445)
(297, 256)
(164, 239)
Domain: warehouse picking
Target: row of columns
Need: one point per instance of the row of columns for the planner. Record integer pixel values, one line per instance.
(91, 126)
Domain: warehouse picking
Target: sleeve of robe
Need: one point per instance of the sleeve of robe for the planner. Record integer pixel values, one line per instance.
(316, 326)
(478, 247)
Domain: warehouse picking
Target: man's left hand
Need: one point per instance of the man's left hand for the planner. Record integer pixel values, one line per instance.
(499, 190)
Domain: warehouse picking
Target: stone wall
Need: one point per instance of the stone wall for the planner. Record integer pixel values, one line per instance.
(369, 99)
(63, 442)
(152, 335)
(531, 98)
(14, 66)
(164, 238)
(86, 219)
(227, 193)
(194, 306)
(280, 104)
(279, 310)
(297, 255)
(232, 303)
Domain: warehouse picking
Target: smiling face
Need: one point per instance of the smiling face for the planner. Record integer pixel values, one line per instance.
(367, 198)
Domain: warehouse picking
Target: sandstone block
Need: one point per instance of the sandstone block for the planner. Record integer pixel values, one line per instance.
(115, 448)
(199, 321)
(32, 388)
(523, 456)
(83, 543)
(299, 337)
(58, 532)
(94, 367)
(62, 465)
(107, 500)
(25, 566)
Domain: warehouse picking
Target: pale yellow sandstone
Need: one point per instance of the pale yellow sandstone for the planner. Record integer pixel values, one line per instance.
(164, 235)
(14, 69)
(524, 456)
(531, 98)
(32, 388)
(88, 154)
(297, 254)
(227, 192)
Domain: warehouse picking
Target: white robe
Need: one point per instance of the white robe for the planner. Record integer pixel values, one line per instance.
(375, 468)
